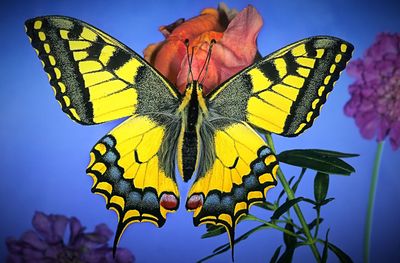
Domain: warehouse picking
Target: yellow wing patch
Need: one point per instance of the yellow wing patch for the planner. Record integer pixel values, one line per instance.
(284, 92)
(127, 170)
(95, 77)
(243, 170)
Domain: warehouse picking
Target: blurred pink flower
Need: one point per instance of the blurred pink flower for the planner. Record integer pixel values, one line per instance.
(46, 243)
(375, 95)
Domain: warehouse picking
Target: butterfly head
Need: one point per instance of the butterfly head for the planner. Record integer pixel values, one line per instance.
(193, 87)
(194, 96)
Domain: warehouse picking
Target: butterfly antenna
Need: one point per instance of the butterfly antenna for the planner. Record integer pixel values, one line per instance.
(191, 56)
(190, 73)
(207, 62)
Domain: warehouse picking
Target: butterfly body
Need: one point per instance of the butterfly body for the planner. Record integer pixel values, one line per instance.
(98, 79)
(192, 110)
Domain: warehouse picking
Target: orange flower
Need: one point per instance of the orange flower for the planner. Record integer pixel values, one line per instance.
(235, 48)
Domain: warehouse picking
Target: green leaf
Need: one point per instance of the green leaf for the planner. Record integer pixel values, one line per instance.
(283, 191)
(241, 238)
(213, 231)
(296, 184)
(225, 247)
(321, 184)
(291, 180)
(275, 255)
(326, 201)
(290, 243)
(314, 223)
(311, 225)
(308, 200)
(285, 207)
(211, 227)
(334, 154)
(343, 257)
(325, 251)
(316, 160)
(316, 205)
(287, 256)
(266, 205)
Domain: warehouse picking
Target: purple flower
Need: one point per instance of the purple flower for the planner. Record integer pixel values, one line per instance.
(51, 242)
(375, 95)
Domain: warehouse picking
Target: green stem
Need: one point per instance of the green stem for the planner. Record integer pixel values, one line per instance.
(371, 201)
(297, 209)
(317, 225)
(274, 226)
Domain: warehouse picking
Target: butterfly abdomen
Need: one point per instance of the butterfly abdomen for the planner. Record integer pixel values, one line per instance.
(189, 154)
(188, 149)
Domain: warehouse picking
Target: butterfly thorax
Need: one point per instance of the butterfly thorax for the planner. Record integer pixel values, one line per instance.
(192, 109)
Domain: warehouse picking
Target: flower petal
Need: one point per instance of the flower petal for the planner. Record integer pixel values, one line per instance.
(33, 240)
(228, 57)
(104, 231)
(42, 224)
(368, 124)
(375, 95)
(394, 135)
(167, 30)
(123, 255)
(14, 259)
(32, 255)
(167, 56)
(59, 225)
(355, 68)
(243, 29)
(150, 53)
(100, 236)
(75, 229)
(383, 129)
(97, 255)
(52, 252)
(226, 14)
(13, 245)
(208, 20)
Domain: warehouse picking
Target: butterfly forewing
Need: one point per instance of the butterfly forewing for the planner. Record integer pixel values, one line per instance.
(284, 92)
(95, 77)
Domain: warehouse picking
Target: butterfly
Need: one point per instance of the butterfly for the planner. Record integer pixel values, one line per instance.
(215, 137)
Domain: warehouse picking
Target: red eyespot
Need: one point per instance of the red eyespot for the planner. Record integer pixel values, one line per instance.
(169, 201)
(195, 201)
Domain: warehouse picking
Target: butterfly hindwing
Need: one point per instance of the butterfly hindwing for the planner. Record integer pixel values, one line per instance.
(133, 168)
(95, 77)
(242, 168)
(284, 92)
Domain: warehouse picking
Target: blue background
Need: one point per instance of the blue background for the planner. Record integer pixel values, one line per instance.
(44, 154)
